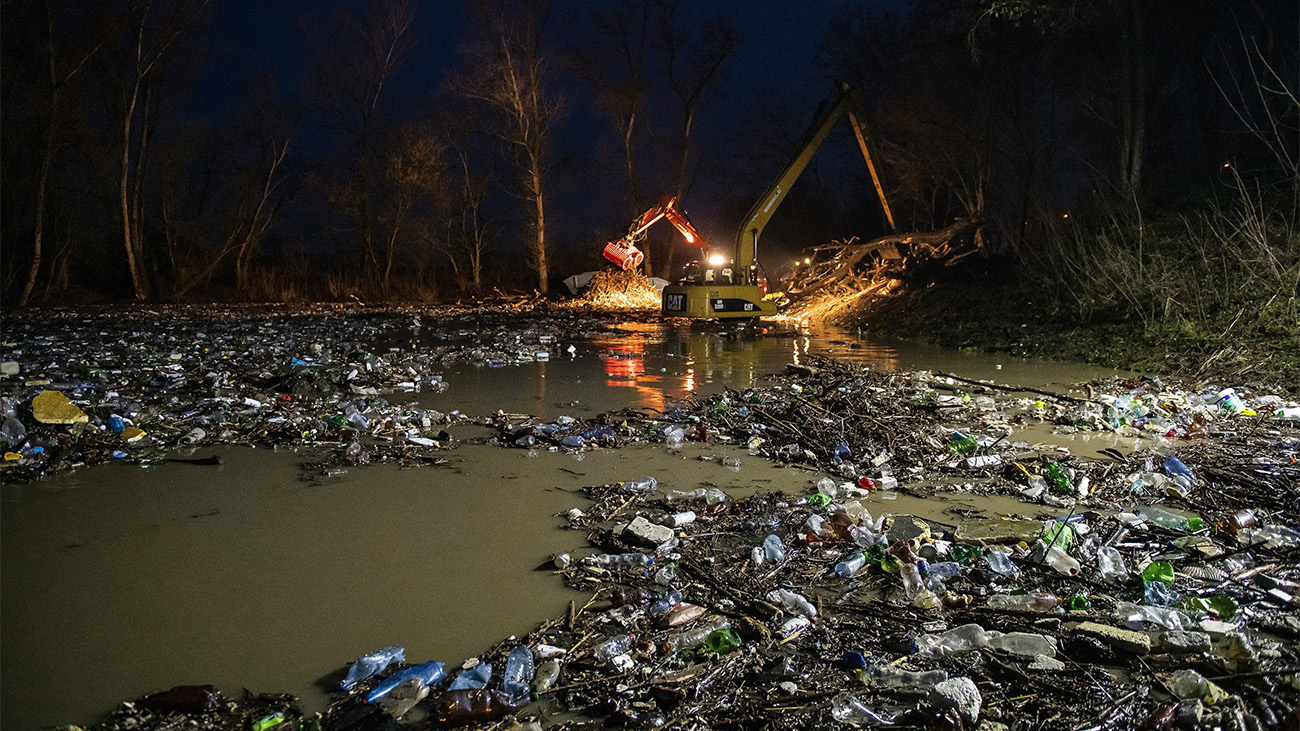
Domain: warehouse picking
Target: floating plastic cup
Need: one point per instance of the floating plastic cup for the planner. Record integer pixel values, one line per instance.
(1229, 401)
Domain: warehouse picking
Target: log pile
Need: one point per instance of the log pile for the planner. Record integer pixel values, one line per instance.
(843, 273)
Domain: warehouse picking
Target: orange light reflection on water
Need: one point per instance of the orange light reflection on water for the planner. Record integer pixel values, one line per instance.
(624, 364)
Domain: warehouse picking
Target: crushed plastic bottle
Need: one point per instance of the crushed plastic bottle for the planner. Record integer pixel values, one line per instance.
(1135, 614)
(888, 677)
(371, 664)
(1024, 643)
(644, 484)
(1110, 564)
(847, 708)
(792, 602)
(959, 639)
(1034, 601)
(404, 697)
(1001, 563)
(475, 677)
(611, 648)
(1158, 571)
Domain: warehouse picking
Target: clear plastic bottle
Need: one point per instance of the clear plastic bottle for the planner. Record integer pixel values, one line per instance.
(888, 677)
(1135, 614)
(619, 560)
(1034, 601)
(850, 565)
(547, 673)
(849, 709)
(370, 664)
(518, 675)
(1110, 564)
(793, 603)
(912, 581)
(1063, 562)
(1001, 563)
(964, 638)
(694, 636)
(1157, 515)
(678, 496)
(613, 647)
(475, 677)
(644, 484)
(1024, 643)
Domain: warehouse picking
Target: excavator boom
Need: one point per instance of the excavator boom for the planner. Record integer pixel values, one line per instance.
(624, 252)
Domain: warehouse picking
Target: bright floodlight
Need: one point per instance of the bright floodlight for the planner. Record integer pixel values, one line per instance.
(717, 260)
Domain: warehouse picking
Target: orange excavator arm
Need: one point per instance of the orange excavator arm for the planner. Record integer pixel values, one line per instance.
(624, 252)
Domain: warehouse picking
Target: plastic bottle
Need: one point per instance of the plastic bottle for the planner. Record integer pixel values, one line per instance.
(677, 520)
(694, 636)
(1001, 563)
(677, 496)
(664, 604)
(475, 677)
(619, 560)
(1175, 467)
(910, 574)
(1135, 614)
(958, 639)
(430, 672)
(1034, 601)
(370, 664)
(519, 671)
(1158, 594)
(547, 673)
(1172, 521)
(404, 697)
(773, 549)
(613, 647)
(1024, 643)
(269, 722)
(792, 602)
(1063, 562)
(850, 565)
(674, 436)
(849, 709)
(468, 706)
(645, 484)
(721, 641)
(1110, 564)
(888, 677)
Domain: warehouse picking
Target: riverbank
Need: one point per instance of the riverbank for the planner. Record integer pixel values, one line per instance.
(981, 306)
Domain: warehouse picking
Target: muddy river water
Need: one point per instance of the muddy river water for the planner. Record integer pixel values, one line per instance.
(120, 580)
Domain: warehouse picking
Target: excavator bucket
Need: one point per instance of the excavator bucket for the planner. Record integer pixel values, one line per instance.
(623, 254)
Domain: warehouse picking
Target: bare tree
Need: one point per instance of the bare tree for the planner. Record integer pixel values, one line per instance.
(694, 58)
(62, 71)
(156, 27)
(614, 59)
(355, 60)
(220, 207)
(509, 73)
(414, 172)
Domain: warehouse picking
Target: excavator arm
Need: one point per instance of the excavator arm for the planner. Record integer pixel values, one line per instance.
(624, 252)
(844, 102)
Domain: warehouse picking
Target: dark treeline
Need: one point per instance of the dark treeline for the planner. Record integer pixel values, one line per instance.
(397, 150)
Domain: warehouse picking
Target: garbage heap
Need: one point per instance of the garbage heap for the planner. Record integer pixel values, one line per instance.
(1162, 594)
(133, 386)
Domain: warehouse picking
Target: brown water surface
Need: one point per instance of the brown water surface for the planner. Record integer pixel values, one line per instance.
(120, 580)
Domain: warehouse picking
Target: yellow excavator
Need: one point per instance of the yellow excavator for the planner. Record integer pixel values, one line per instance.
(730, 287)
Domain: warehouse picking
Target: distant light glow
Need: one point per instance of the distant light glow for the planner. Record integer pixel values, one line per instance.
(717, 260)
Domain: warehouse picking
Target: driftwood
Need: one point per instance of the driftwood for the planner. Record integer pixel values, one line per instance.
(853, 266)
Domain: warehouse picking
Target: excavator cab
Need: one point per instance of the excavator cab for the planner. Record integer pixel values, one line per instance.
(736, 290)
